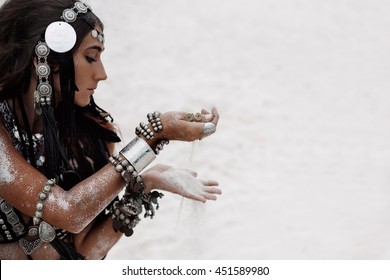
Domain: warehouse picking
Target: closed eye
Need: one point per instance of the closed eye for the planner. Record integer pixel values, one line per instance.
(90, 59)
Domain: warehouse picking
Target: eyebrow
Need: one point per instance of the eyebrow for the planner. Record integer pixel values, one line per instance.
(98, 48)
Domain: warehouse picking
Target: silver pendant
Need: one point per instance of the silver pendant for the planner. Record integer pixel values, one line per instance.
(28, 246)
(46, 232)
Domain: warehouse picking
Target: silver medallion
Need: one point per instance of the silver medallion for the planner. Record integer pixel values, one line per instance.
(69, 15)
(42, 50)
(44, 89)
(43, 70)
(81, 7)
(60, 36)
(46, 232)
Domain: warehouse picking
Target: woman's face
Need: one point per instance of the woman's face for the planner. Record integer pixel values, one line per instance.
(89, 69)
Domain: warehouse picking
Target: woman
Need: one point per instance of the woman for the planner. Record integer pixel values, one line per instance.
(61, 179)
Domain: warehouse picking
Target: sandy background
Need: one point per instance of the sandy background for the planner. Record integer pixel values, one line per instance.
(303, 147)
(302, 151)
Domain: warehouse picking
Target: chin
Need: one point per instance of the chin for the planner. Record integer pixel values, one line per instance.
(82, 102)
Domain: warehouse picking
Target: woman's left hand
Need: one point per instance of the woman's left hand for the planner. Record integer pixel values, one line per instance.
(180, 181)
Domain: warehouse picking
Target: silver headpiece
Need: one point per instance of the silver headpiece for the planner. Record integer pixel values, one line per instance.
(60, 37)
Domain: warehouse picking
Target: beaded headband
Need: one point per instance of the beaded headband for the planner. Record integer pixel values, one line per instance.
(60, 37)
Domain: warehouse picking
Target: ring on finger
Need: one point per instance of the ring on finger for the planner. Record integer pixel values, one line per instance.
(208, 129)
(198, 117)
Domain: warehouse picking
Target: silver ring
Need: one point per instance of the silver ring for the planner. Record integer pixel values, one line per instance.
(208, 129)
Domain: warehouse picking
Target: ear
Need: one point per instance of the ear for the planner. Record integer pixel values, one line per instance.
(35, 61)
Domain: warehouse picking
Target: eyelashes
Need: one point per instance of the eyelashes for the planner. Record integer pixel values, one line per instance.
(90, 59)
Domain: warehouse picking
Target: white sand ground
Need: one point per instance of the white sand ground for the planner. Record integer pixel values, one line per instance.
(303, 147)
(302, 151)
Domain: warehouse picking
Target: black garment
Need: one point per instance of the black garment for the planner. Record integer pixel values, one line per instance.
(90, 155)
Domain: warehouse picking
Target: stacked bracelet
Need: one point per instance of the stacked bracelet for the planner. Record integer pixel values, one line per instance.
(160, 145)
(123, 167)
(154, 119)
(157, 126)
(144, 130)
(125, 212)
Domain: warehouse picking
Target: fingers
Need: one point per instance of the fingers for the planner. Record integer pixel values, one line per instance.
(197, 198)
(209, 183)
(215, 113)
(210, 196)
(212, 190)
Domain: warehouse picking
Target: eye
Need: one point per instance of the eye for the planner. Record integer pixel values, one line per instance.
(90, 59)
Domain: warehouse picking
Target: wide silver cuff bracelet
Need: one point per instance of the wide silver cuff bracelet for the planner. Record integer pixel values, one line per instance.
(138, 153)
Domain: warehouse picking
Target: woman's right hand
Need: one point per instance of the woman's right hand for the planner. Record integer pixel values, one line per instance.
(177, 127)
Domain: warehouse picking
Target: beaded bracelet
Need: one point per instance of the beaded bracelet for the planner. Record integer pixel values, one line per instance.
(160, 145)
(156, 123)
(144, 130)
(154, 119)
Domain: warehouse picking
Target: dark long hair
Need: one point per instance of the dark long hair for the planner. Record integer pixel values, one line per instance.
(22, 25)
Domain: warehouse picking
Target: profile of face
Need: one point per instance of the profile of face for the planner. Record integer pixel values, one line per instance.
(89, 69)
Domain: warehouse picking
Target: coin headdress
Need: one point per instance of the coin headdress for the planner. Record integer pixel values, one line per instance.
(60, 37)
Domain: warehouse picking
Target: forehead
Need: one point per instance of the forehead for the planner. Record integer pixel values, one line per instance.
(90, 42)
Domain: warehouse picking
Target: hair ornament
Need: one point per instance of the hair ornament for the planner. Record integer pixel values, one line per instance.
(42, 95)
(60, 35)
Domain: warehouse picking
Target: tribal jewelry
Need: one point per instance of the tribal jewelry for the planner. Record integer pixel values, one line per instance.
(60, 35)
(123, 167)
(208, 129)
(39, 230)
(138, 153)
(125, 212)
(155, 121)
(144, 130)
(190, 117)
(42, 95)
(46, 231)
(160, 145)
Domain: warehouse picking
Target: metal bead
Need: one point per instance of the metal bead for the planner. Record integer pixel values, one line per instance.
(119, 168)
(38, 214)
(46, 188)
(39, 206)
(36, 220)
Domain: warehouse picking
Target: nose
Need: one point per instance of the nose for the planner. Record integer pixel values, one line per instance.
(100, 74)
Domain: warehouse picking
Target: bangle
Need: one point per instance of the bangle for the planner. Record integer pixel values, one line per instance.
(138, 153)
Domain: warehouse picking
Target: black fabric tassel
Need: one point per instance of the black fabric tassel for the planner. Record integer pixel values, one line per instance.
(52, 145)
(68, 88)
